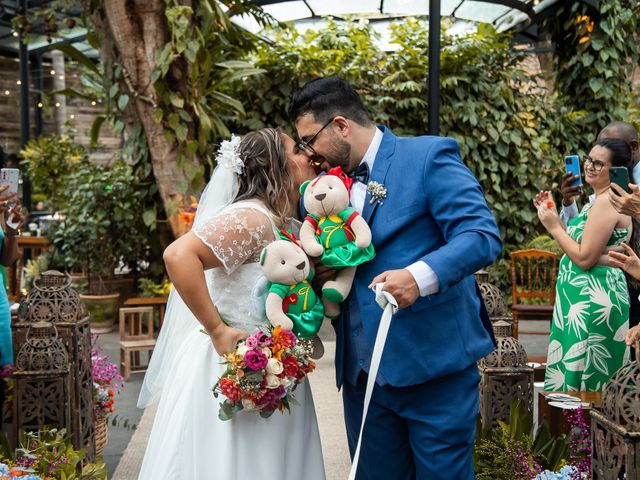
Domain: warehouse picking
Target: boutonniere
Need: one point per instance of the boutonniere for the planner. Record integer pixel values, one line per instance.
(378, 192)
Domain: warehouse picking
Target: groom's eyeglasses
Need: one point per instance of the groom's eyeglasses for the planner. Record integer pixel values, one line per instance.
(306, 146)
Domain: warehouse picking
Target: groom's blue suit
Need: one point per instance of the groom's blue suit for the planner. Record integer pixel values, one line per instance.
(421, 420)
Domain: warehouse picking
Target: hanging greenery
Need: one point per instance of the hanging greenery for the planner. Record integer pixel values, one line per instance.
(596, 52)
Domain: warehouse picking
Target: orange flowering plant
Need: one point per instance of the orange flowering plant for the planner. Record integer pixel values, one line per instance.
(263, 372)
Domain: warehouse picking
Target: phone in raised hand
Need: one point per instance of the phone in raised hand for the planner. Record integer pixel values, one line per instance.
(572, 166)
(11, 177)
(620, 176)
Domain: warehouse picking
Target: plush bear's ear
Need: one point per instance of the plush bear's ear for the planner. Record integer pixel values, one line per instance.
(304, 186)
(263, 256)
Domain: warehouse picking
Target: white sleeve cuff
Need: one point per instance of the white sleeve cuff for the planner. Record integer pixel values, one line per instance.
(425, 277)
(568, 213)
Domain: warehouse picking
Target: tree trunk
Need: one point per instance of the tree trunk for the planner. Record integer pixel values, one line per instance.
(138, 31)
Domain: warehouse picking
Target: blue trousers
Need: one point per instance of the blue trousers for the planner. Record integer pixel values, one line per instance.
(423, 432)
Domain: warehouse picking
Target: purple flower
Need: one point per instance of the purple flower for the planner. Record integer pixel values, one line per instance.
(263, 339)
(272, 397)
(255, 359)
(251, 341)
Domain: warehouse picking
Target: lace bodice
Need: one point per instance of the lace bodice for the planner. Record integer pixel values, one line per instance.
(236, 236)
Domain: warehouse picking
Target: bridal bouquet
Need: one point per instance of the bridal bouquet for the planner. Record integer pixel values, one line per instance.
(263, 372)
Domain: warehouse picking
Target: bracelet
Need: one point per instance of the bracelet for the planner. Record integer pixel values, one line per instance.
(15, 233)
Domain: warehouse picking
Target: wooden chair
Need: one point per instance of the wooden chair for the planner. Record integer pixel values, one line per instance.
(136, 335)
(160, 302)
(533, 276)
(29, 248)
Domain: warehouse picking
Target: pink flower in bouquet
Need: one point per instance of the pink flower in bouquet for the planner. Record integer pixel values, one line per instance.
(263, 339)
(251, 341)
(255, 359)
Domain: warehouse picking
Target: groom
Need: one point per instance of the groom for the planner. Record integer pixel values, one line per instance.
(431, 231)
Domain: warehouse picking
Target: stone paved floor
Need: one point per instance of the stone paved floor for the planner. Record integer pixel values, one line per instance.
(125, 449)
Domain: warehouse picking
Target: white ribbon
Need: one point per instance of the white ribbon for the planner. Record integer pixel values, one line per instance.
(390, 307)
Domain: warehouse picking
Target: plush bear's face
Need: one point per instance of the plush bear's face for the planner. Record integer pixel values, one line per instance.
(325, 195)
(284, 262)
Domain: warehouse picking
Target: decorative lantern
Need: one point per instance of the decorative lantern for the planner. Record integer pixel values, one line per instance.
(53, 300)
(504, 375)
(615, 427)
(41, 381)
(493, 298)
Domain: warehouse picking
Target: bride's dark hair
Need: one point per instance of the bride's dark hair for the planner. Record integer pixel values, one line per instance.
(266, 174)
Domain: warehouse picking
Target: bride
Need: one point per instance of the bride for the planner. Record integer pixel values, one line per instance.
(216, 275)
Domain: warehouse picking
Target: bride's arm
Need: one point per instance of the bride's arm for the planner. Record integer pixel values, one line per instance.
(225, 241)
(186, 260)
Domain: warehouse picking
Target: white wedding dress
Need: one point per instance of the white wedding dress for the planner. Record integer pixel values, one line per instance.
(188, 441)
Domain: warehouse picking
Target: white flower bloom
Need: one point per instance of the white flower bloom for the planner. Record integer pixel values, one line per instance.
(274, 366)
(242, 349)
(248, 404)
(272, 381)
(266, 351)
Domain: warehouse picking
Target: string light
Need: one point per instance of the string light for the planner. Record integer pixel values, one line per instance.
(72, 116)
(18, 82)
(61, 77)
(15, 34)
(52, 72)
(57, 104)
(40, 105)
(7, 92)
(93, 102)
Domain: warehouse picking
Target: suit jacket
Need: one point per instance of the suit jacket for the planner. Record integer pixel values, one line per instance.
(434, 211)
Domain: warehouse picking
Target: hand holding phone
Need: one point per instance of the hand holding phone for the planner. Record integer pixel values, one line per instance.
(10, 177)
(620, 176)
(572, 166)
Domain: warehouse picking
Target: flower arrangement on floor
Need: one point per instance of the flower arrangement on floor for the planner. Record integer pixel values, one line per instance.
(580, 446)
(262, 373)
(513, 452)
(107, 381)
(47, 455)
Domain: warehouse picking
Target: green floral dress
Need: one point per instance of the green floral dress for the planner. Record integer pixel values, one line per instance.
(590, 320)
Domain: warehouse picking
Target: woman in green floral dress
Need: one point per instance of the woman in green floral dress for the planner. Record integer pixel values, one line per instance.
(591, 312)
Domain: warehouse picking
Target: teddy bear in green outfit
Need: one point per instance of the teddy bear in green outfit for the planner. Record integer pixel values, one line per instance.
(335, 233)
(291, 303)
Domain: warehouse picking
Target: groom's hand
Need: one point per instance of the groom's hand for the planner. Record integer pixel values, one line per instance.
(400, 284)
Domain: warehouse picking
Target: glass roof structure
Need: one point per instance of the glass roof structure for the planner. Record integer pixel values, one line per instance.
(502, 14)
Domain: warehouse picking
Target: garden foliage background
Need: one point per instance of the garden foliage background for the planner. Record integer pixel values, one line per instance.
(202, 77)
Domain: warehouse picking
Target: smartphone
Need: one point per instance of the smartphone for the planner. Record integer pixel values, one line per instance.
(572, 166)
(11, 177)
(620, 176)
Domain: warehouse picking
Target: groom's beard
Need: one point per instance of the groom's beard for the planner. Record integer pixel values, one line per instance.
(339, 153)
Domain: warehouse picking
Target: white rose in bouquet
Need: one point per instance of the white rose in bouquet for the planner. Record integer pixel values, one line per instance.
(274, 366)
(272, 381)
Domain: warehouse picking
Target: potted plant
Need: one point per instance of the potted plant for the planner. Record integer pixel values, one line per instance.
(107, 382)
(101, 230)
(48, 161)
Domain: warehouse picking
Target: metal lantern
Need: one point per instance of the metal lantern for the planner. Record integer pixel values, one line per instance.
(615, 427)
(53, 300)
(41, 381)
(504, 375)
(493, 298)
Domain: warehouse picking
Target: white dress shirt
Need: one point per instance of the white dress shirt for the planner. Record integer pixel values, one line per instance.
(425, 277)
